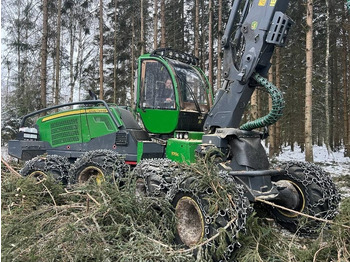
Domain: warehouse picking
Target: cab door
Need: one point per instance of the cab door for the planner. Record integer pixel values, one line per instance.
(158, 99)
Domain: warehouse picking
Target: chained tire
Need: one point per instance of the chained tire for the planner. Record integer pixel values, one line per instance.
(204, 214)
(98, 166)
(210, 219)
(316, 193)
(41, 167)
(155, 177)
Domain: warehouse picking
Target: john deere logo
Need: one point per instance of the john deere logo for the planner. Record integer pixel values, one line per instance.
(254, 25)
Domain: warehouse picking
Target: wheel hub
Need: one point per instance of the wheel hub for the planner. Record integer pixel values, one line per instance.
(39, 175)
(190, 222)
(290, 196)
(91, 172)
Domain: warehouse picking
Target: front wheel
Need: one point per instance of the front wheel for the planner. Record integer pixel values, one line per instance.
(311, 192)
(42, 166)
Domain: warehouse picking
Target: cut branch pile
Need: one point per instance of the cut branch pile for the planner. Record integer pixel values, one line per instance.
(42, 221)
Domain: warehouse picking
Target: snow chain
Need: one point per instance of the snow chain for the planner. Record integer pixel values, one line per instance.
(167, 185)
(314, 174)
(277, 105)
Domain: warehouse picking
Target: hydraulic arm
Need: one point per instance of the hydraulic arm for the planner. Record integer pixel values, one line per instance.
(262, 26)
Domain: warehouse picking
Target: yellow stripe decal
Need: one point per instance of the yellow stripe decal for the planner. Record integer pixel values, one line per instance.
(76, 112)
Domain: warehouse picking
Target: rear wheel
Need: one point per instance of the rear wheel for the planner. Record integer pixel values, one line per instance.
(311, 192)
(42, 166)
(98, 166)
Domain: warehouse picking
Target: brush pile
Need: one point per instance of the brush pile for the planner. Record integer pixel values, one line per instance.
(44, 221)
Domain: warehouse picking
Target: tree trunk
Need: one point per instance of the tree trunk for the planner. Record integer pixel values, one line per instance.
(218, 77)
(71, 56)
(43, 76)
(115, 53)
(162, 21)
(132, 59)
(345, 59)
(308, 85)
(58, 47)
(278, 142)
(142, 40)
(196, 29)
(211, 49)
(101, 49)
(79, 64)
(155, 25)
(272, 128)
(327, 79)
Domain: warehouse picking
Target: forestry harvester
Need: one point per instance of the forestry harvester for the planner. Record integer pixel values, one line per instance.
(173, 123)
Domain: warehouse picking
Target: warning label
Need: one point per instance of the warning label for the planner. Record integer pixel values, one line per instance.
(262, 2)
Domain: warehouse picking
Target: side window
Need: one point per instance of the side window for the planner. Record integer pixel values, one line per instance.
(157, 91)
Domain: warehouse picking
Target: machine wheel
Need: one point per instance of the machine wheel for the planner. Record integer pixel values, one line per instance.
(154, 177)
(201, 215)
(99, 165)
(42, 166)
(312, 191)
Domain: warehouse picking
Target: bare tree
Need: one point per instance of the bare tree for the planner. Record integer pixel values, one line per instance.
(308, 85)
(218, 77)
(278, 85)
(43, 76)
(272, 128)
(162, 21)
(345, 59)
(58, 47)
(115, 53)
(142, 40)
(101, 49)
(327, 78)
(155, 25)
(211, 47)
(196, 29)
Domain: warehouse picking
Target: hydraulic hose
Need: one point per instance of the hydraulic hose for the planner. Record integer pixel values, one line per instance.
(277, 105)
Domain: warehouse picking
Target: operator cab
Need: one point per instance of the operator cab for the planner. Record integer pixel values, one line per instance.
(171, 94)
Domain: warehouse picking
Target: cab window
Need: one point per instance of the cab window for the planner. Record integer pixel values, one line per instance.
(157, 90)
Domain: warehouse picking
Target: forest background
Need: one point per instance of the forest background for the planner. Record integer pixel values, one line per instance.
(54, 51)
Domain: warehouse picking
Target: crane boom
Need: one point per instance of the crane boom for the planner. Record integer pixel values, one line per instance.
(262, 26)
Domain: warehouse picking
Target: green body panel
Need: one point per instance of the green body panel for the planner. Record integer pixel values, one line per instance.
(139, 151)
(61, 131)
(181, 150)
(76, 126)
(159, 121)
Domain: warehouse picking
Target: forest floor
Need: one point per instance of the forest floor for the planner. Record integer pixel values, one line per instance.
(47, 222)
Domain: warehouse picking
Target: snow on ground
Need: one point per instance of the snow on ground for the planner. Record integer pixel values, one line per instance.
(335, 163)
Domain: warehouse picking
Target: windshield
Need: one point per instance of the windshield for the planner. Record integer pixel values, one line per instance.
(192, 87)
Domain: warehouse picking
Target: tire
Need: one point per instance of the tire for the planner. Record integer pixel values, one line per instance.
(317, 196)
(155, 177)
(200, 217)
(195, 222)
(99, 165)
(50, 165)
